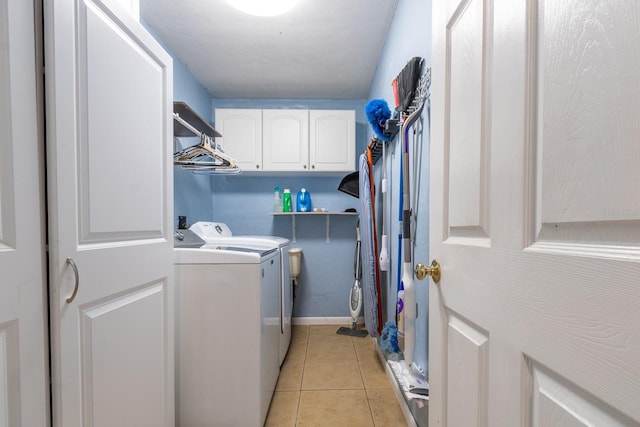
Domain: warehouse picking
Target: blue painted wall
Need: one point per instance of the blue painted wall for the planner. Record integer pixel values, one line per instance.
(245, 202)
(409, 36)
(189, 189)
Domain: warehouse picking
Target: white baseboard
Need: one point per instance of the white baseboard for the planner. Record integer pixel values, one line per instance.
(408, 416)
(343, 321)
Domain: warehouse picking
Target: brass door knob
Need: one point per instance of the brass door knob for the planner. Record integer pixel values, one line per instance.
(433, 271)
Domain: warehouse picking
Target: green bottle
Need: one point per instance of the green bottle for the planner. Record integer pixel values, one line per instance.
(286, 200)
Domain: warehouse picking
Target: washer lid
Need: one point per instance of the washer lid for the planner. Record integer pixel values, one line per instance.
(230, 247)
(280, 241)
(211, 255)
(251, 241)
(214, 232)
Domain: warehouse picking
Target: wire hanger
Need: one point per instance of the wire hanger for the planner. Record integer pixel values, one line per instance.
(206, 157)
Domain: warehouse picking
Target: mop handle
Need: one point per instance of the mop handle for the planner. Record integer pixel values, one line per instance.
(410, 309)
(357, 263)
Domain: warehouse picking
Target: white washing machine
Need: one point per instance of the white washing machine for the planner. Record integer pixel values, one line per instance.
(220, 233)
(227, 333)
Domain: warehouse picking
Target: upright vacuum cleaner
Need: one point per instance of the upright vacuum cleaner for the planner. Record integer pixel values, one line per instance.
(355, 296)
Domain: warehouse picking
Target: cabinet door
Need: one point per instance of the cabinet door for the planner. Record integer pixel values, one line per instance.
(285, 136)
(110, 181)
(332, 140)
(241, 131)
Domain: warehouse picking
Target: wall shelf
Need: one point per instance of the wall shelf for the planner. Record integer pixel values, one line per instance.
(186, 113)
(206, 157)
(328, 215)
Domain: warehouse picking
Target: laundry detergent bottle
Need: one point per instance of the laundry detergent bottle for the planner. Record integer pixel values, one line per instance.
(286, 200)
(303, 202)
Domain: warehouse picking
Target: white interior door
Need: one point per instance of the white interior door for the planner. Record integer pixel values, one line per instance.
(535, 213)
(109, 138)
(24, 388)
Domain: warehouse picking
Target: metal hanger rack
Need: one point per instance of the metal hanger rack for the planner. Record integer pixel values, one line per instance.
(375, 145)
(206, 157)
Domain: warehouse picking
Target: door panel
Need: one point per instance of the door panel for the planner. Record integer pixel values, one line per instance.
(586, 124)
(108, 368)
(539, 325)
(468, 366)
(9, 374)
(127, 205)
(7, 202)
(110, 186)
(467, 189)
(24, 391)
(556, 401)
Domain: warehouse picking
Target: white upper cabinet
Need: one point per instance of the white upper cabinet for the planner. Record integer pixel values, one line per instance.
(285, 140)
(332, 140)
(241, 131)
(281, 140)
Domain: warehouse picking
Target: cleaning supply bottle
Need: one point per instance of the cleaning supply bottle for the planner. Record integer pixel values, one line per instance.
(277, 200)
(286, 200)
(303, 201)
(400, 318)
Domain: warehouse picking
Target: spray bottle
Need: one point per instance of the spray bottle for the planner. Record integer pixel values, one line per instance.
(277, 200)
(400, 318)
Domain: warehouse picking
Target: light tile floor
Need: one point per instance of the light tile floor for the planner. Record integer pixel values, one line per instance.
(332, 380)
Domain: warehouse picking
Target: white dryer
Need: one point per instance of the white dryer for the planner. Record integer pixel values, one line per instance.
(220, 233)
(227, 337)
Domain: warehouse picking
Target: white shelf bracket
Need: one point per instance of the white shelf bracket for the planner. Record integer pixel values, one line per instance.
(293, 228)
(328, 228)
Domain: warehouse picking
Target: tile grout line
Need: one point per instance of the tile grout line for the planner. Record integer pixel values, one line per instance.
(304, 367)
(366, 394)
(360, 360)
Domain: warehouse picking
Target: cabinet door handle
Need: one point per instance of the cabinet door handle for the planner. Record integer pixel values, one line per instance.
(257, 166)
(313, 166)
(75, 272)
(305, 166)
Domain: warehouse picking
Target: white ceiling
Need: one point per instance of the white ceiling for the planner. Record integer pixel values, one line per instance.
(322, 49)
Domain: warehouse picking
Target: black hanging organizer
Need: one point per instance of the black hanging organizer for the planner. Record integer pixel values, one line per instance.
(406, 84)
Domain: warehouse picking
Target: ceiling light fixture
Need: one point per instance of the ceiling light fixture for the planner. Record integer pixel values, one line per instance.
(263, 7)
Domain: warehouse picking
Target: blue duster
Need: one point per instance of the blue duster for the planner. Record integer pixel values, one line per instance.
(378, 113)
(389, 339)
